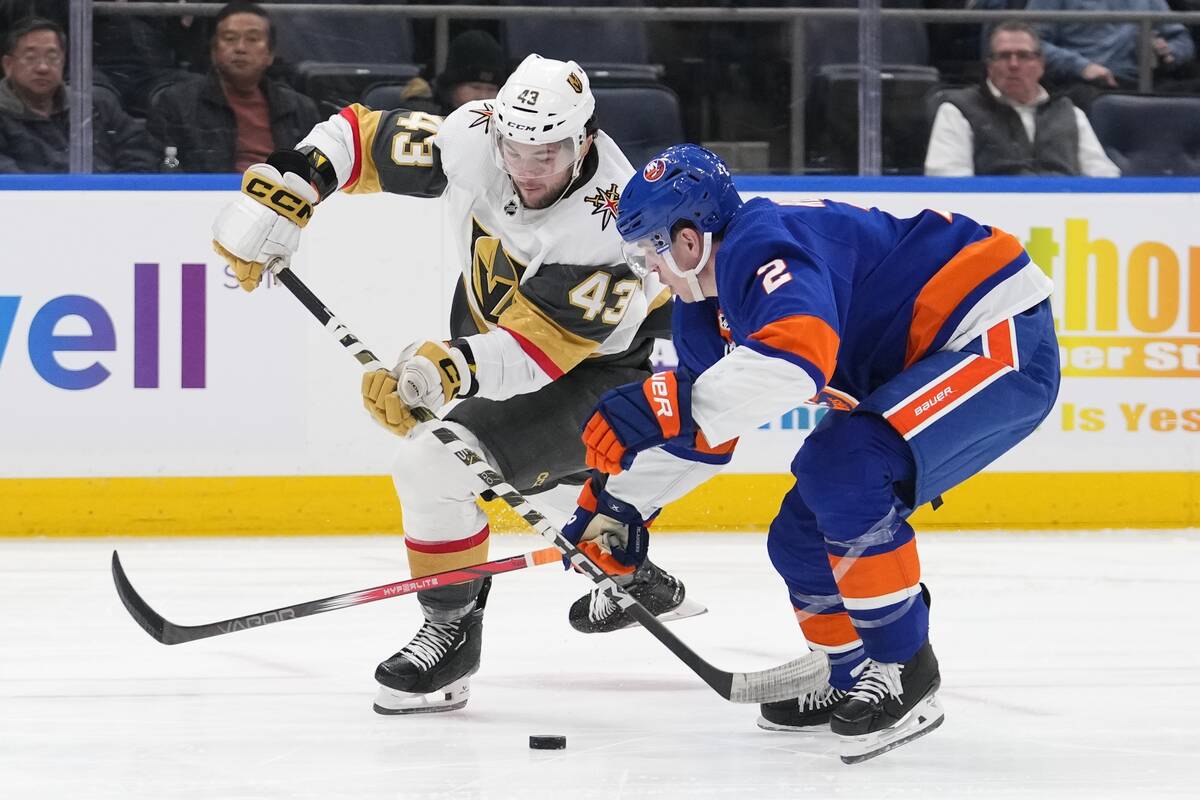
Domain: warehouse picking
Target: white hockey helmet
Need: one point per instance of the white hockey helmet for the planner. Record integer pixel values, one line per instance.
(540, 117)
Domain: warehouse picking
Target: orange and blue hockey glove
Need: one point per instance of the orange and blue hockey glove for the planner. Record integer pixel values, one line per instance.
(637, 417)
(610, 531)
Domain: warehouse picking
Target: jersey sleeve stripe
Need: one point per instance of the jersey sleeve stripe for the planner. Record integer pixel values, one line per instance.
(364, 124)
(722, 449)
(555, 349)
(804, 335)
(544, 362)
(945, 291)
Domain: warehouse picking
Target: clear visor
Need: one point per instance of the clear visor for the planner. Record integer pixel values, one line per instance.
(533, 160)
(645, 255)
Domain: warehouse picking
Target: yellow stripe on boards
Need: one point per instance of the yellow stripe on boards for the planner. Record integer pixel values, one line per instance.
(328, 505)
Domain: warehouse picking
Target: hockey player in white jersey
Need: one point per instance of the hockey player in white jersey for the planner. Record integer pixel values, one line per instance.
(546, 318)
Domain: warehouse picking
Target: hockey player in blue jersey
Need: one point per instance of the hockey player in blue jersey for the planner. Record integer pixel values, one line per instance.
(931, 335)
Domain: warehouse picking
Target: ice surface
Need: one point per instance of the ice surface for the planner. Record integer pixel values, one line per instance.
(1070, 667)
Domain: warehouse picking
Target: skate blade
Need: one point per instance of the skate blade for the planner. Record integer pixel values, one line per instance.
(688, 608)
(924, 718)
(390, 702)
(818, 729)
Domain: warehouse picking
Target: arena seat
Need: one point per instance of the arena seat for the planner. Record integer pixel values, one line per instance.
(335, 85)
(1149, 134)
(833, 121)
(643, 120)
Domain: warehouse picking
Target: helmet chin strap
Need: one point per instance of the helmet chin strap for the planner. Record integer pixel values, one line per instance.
(690, 275)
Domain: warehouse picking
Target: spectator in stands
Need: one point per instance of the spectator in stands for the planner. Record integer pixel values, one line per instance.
(1086, 58)
(235, 116)
(34, 112)
(131, 54)
(1010, 125)
(476, 66)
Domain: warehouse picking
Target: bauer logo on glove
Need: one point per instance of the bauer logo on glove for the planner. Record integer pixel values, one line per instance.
(636, 417)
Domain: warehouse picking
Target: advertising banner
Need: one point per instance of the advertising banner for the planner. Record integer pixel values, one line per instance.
(128, 353)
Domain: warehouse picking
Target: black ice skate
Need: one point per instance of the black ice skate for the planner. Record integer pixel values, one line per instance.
(891, 705)
(662, 594)
(432, 672)
(808, 713)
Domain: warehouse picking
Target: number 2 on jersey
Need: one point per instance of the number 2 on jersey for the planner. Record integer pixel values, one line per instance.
(774, 275)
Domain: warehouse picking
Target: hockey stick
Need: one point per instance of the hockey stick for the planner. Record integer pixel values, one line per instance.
(797, 677)
(167, 632)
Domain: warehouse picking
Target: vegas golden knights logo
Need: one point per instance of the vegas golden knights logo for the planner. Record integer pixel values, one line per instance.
(575, 83)
(494, 276)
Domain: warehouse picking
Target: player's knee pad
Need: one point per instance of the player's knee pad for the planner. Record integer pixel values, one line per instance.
(847, 473)
(436, 490)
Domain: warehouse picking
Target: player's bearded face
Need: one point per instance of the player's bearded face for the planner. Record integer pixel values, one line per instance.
(540, 172)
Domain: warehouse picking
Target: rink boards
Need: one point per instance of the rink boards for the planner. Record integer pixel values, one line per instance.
(143, 392)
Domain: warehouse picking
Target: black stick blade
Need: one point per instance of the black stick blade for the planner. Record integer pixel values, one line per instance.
(151, 621)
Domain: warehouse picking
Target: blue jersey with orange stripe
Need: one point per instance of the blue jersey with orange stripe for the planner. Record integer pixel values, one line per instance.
(853, 296)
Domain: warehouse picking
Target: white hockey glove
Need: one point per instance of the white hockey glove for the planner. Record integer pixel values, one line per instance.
(430, 374)
(263, 223)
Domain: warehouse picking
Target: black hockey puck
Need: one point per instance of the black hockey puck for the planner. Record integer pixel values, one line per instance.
(547, 743)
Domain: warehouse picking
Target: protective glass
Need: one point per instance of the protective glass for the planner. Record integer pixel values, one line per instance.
(533, 160)
(644, 255)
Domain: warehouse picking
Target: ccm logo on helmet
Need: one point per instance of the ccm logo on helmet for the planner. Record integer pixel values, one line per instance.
(654, 170)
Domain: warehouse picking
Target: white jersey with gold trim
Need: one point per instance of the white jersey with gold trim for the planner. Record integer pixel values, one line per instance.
(541, 291)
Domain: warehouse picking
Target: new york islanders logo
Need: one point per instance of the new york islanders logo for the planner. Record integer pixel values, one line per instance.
(654, 170)
(604, 202)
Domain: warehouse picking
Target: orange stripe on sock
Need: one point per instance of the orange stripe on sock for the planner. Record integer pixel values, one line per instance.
(876, 575)
(970, 267)
(827, 630)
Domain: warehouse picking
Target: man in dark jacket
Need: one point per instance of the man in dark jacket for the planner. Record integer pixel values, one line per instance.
(235, 116)
(34, 127)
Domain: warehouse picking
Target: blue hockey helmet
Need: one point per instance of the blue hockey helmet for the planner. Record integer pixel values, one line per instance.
(683, 183)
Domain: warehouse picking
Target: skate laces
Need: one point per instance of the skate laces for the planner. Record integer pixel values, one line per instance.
(877, 681)
(600, 605)
(430, 643)
(821, 698)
